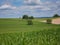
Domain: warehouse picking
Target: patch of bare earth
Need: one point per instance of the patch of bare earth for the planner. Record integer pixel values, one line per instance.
(54, 21)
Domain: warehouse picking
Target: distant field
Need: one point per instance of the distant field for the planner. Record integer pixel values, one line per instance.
(15, 31)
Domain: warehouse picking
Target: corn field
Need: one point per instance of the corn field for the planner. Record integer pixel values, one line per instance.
(44, 37)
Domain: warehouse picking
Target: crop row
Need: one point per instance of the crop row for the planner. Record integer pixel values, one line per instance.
(45, 37)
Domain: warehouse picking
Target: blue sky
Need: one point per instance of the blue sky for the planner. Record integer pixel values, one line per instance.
(36, 8)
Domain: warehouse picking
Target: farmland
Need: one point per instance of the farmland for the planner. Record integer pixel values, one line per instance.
(15, 31)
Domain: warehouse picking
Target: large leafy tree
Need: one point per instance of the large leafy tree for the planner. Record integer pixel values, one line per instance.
(25, 17)
(56, 15)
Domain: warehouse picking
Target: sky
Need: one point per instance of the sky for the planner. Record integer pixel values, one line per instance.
(36, 8)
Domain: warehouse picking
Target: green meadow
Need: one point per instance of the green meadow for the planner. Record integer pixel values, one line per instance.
(15, 31)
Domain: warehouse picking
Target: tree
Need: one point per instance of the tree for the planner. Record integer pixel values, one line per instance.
(31, 17)
(25, 17)
(56, 15)
(49, 21)
(30, 22)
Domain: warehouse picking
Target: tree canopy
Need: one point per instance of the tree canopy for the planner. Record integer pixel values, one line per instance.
(56, 15)
(25, 17)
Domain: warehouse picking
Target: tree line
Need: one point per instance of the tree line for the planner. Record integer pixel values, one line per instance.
(27, 17)
(30, 22)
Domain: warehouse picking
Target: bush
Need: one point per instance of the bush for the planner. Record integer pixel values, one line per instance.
(49, 21)
(30, 22)
(25, 17)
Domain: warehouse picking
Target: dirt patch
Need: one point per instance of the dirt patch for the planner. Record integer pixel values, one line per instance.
(54, 21)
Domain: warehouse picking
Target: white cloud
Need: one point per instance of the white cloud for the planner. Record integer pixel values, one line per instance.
(27, 1)
(51, 5)
(33, 8)
(41, 5)
(27, 9)
(7, 6)
(36, 1)
(47, 2)
(58, 2)
(32, 2)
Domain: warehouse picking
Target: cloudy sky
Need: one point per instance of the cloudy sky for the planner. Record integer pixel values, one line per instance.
(36, 8)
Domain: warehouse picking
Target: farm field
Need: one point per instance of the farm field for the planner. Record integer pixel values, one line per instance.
(14, 31)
